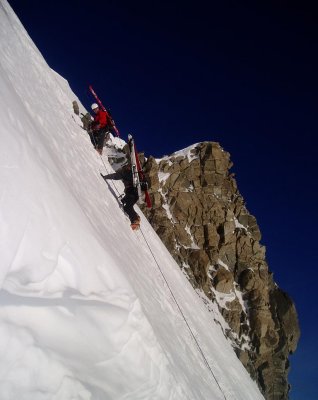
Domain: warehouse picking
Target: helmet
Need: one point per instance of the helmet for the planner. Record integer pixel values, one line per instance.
(94, 106)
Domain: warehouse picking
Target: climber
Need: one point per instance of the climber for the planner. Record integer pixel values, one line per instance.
(99, 128)
(131, 192)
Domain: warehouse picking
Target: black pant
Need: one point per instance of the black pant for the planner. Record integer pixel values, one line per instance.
(130, 198)
(98, 138)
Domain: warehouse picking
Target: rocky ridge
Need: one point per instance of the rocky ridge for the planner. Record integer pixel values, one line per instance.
(201, 217)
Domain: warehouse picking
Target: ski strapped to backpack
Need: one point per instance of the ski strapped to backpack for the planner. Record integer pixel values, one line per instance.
(112, 122)
(139, 179)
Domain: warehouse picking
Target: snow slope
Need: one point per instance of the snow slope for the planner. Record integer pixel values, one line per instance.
(84, 310)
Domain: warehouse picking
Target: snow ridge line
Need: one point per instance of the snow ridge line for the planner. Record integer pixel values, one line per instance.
(184, 318)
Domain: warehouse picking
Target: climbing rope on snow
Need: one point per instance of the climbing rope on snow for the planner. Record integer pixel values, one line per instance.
(184, 317)
(119, 195)
(107, 172)
(175, 300)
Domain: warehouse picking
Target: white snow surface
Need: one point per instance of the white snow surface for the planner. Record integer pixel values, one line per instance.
(84, 310)
(188, 153)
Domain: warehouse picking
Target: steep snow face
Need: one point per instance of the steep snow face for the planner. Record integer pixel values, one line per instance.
(84, 310)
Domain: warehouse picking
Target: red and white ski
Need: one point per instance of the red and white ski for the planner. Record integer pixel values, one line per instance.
(138, 174)
(103, 108)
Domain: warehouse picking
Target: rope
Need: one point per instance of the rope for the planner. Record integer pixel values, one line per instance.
(184, 318)
(115, 187)
(113, 183)
(173, 296)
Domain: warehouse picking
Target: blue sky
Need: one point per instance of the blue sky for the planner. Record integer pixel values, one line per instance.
(243, 74)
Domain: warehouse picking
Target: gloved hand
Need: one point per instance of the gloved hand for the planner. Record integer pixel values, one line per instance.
(95, 126)
(144, 186)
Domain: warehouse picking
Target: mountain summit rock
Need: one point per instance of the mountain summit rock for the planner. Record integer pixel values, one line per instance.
(201, 217)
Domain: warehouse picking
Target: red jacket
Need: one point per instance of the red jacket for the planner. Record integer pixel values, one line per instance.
(101, 118)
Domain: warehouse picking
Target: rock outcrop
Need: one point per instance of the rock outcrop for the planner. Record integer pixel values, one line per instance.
(201, 217)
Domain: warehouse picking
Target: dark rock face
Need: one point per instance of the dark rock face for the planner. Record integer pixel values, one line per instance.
(201, 217)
